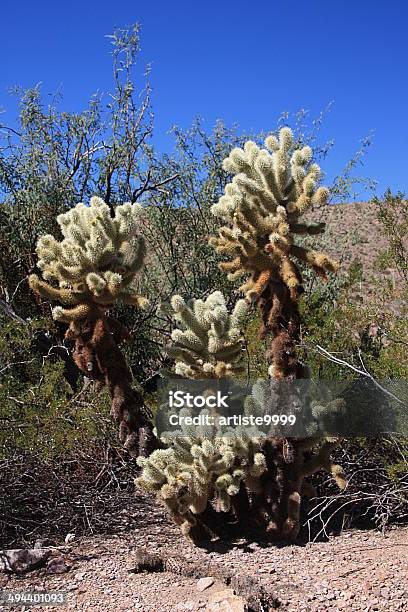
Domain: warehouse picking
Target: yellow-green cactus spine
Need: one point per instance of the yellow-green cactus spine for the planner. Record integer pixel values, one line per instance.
(196, 476)
(211, 343)
(97, 261)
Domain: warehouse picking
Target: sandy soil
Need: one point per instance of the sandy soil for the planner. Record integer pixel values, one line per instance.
(358, 570)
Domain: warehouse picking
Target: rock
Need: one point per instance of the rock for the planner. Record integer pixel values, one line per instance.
(70, 537)
(188, 605)
(205, 583)
(57, 565)
(226, 601)
(385, 593)
(43, 543)
(22, 560)
(79, 576)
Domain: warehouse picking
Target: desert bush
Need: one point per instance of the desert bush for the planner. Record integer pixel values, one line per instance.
(61, 467)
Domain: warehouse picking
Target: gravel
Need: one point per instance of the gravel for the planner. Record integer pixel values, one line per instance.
(356, 571)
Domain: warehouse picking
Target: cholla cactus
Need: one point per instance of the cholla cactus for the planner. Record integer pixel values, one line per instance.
(261, 215)
(257, 477)
(261, 209)
(198, 474)
(97, 261)
(93, 267)
(204, 468)
(211, 344)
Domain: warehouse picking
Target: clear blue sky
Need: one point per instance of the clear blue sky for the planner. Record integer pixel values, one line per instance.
(244, 62)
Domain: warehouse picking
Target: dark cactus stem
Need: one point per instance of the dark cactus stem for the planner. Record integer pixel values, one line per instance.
(240, 505)
(99, 357)
(279, 306)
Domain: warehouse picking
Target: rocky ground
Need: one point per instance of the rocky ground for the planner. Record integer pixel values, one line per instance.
(357, 570)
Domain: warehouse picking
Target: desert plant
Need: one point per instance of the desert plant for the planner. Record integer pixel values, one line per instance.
(211, 344)
(261, 210)
(204, 464)
(93, 267)
(392, 212)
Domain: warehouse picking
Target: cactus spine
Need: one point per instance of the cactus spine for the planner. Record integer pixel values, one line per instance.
(210, 346)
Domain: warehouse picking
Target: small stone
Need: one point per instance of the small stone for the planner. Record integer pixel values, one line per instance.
(57, 565)
(205, 583)
(43, 543)
(188, 605)
(225, 601)
(385, 593)
(70, 537)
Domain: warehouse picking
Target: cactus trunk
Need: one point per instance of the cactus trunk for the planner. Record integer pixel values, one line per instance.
(98, 356)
